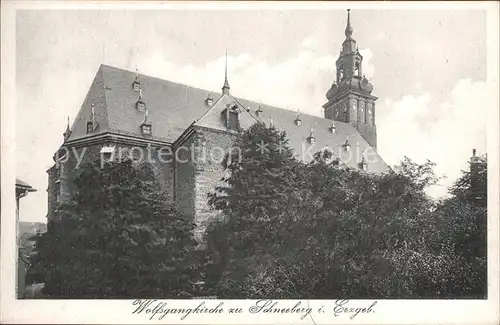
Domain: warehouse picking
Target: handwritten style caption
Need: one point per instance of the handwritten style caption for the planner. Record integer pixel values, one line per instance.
(156, 309)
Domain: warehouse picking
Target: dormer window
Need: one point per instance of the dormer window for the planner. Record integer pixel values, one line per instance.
(297, 120)
(362, 164)
(346, 146)
(146, 129)
(136, 85)
(311, 138)
(90, 126)
(91, 123)
(259, 111)
(141, 106)
(209, 100)
(333, 128)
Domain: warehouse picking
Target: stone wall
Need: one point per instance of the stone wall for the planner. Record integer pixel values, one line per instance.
(209, 172)
(185, 178)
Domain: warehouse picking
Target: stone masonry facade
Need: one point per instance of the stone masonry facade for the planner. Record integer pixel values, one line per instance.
(194, 172)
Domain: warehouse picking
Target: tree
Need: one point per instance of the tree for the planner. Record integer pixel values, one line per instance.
(464, 217)
(472, 185)
(117, 238)
(320, 230)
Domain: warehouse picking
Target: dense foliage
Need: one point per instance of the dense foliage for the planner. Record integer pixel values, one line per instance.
(286, 229)
(116, 238)
(319, 230)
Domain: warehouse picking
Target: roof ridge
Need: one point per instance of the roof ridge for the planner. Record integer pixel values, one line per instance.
(161, 79)
(238, 98)
(208, 110)
(247, 111)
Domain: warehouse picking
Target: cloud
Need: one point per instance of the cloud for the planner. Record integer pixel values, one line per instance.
(296, 82)
(310, 43)
(381, 35)
(444, 132)
(299, 81)
(368, 67)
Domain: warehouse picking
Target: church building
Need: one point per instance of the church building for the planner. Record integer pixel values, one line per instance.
(129, 113)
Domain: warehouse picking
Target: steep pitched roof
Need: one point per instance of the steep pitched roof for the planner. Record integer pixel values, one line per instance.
(174, 107)
(298, 135)
(96, 96)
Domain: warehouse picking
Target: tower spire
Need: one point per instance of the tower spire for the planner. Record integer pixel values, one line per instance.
(348, 28)
(225, 88)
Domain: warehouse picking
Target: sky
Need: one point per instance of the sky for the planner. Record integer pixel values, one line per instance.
(428, 68)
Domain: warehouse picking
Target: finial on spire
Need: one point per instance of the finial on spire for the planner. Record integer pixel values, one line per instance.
(67, 133)
(348, 28)
(298, 121)
(225, 88)
(136, 84)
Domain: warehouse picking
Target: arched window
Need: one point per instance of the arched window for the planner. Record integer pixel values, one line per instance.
(362, 116)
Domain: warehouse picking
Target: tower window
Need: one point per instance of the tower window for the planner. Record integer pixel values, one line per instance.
(369, 113)
(362, 116)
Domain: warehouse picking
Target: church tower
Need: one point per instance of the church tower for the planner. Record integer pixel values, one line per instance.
(349, 97)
